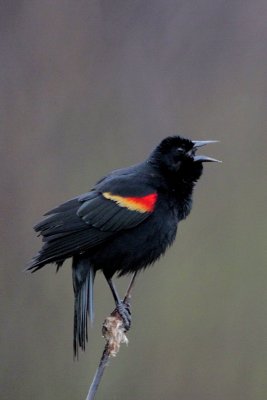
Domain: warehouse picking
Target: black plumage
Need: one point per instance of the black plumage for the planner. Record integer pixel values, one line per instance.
(125, 223)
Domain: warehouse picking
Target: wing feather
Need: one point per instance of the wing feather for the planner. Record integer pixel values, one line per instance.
(109, 215)
(90, 219)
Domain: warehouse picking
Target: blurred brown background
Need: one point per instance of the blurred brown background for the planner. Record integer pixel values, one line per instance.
(90, 86)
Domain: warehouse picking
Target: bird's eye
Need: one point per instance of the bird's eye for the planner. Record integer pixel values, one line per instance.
(177, 155)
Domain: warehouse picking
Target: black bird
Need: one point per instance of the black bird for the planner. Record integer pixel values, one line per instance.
(122, 225)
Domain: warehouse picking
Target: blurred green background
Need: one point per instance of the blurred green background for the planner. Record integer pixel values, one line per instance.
(90, 86)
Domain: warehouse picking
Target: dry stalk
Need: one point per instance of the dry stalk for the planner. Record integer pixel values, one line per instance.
(113, 331)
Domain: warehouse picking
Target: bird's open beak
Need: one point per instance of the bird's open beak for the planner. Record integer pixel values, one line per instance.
(201, 143)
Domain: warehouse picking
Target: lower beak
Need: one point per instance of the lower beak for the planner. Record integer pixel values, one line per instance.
(205, 159)
(201, 143)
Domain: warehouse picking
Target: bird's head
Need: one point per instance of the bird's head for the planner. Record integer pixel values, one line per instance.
(177, 156)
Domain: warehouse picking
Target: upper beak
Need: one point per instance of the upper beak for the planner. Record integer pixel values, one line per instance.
(200, 143)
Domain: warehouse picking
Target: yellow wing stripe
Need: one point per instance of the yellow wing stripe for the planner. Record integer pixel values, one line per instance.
(140, 204)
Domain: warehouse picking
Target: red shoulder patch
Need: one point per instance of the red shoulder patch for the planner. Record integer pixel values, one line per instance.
(141, 204)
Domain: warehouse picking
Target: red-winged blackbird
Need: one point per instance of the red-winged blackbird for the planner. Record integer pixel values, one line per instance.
(125, 223)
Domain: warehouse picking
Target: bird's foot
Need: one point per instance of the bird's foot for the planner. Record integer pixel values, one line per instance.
(124, 311)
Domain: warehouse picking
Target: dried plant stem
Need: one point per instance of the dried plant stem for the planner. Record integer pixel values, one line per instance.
(114, 333)
(99, 373)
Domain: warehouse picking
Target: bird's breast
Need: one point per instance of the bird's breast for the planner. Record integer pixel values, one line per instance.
(139, 247)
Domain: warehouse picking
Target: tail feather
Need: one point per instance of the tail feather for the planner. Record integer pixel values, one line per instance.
(83, 274)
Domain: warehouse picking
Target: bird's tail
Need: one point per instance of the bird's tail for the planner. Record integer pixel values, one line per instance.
(83, 274)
